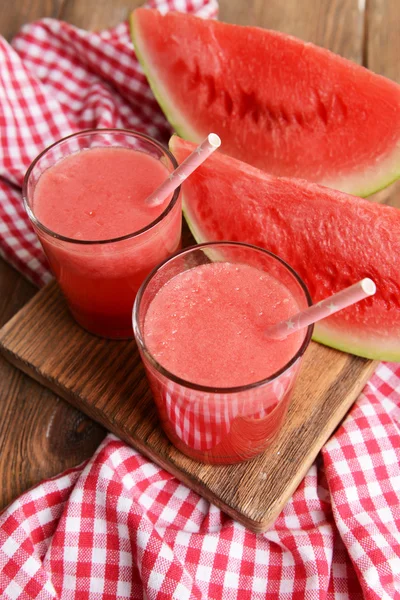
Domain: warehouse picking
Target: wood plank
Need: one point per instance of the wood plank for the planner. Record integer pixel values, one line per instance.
(106, 380)
(382, 38)
(381, 55)
(333, 24)
(95, 15)
(40, 434)
(20, 12)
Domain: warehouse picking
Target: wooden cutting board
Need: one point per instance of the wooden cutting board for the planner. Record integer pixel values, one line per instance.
(106, 380)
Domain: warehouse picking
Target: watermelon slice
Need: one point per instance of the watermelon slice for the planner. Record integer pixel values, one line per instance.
(330, 238)
(278, 103)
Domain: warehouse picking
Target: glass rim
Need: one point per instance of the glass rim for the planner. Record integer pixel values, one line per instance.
(215, 389)
(86, 132)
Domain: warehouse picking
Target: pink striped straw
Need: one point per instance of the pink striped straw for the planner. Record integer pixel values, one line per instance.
(356, 292)
(194, 160)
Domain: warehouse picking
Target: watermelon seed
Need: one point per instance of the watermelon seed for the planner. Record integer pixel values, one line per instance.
(228, 103)
(212, 94)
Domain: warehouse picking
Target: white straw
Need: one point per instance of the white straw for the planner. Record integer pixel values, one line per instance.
(194, 160)
(364, 288)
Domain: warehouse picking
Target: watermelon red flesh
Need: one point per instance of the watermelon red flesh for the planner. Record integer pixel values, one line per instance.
(282, 105)
(330, 238)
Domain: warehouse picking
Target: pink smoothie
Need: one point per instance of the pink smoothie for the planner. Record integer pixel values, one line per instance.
(207, 325)
(99, 194)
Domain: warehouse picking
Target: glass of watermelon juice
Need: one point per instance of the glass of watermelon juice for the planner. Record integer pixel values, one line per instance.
(221, 387)
(85, 196)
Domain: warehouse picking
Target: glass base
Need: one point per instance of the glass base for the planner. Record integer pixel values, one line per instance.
(229, 451)
(105, 327)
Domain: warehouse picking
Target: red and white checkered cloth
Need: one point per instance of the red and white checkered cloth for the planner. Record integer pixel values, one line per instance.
(119, 526)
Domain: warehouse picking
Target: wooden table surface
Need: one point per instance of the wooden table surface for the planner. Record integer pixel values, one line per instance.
(40, 435)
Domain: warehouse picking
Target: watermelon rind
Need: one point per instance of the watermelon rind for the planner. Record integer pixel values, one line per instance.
(348, 343)
(364, 184)
(376, 346)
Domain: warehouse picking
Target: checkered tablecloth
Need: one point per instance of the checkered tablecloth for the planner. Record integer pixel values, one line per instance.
(119, 526)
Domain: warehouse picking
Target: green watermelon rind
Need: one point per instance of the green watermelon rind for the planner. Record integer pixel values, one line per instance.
(328, 337)
(365, 191)
(176, 120)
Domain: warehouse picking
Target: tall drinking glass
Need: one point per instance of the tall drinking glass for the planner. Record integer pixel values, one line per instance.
(100, 277)
(209, 423)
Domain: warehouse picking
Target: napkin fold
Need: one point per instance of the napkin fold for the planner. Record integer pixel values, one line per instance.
(120, 526)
